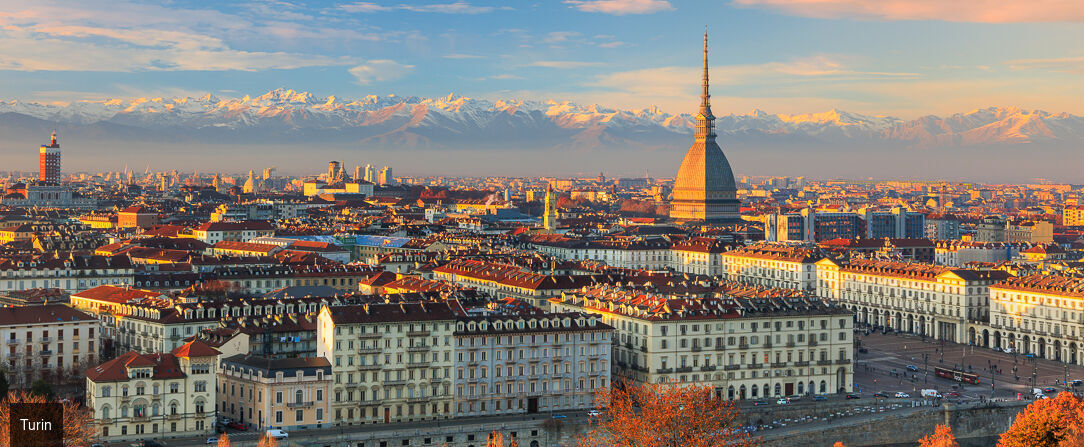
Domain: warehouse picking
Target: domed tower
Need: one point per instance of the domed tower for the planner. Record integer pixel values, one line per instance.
(704, 189)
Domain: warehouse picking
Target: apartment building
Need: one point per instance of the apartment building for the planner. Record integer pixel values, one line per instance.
(66, 271)
(699, 255)
(773, 265)
(391, 362)
(270, 393)
(1038, 314)
(503, 280)
(962, 253)
(931, 300)
(214, 232)
(50, 341)
(260, 280)
(513, 364)
(622, 252)
(151, 396)
(747, 343)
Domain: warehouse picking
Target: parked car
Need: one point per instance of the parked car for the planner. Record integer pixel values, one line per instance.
(794, 398)
(212, 440)
(952, 394)
(237, 426)
(912, 368)
(559, 416)
(782, 401)
(1049, 389)
(863, 350)
(997, 348)
(1078, 382)
(1007, 350)
(1030, 355)
(277, 434)
(594, 413)
(902, 395)
(853, 396)
(759, 402)
(881, 394)
(820, 397)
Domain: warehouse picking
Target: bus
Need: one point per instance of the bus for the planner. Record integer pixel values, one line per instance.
(957, 375)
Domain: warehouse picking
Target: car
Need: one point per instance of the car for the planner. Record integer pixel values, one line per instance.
(863, 350)
(820, 397)
(1029, 355)
(782, 401)
(559, 416)
(902, 395)
(881, 394)
(1049, 389)
(1040, 396)
(794, 398)
(912, 368)
(97, 445)
(212, 440)
(997, 348)
(594, 413)
(240, 426)
(759, 403)
(151, 444)
(853, 396)
(952, 394)
(1007, 350)
(1078, 382)
(277, 434)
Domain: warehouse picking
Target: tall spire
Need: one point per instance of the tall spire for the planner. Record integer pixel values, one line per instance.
(705, 121)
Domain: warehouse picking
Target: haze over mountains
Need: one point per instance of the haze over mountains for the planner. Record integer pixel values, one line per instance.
(558, 137)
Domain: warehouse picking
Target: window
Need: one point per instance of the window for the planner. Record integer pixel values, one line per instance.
(299, 415)
(278, 417)
(278, 397)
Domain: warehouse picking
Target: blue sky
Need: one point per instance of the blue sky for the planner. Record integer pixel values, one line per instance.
(898, 57)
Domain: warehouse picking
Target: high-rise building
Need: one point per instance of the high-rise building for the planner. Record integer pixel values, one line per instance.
(370, 173)
(384, 177)
(549, 217)
(49, 169)
(704, 189)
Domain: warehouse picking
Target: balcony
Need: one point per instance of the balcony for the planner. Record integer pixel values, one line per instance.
(664, 371)
(779, 364)
(46, 352)
(768, 344)
(418, 399)
(173, 417)
(707, 368)
(125, 398)
(843, 362)
(790, 344)
(370, 335)
(802, 363)
(418, 364)
(13, 341)
(731, 367)
(824, 362)
(419, 348)
(684, 369)
(696, 348)
(369, 367)
(720, 347)
(743, 346)
(643, 348)
(143, 418)
(369, 350)
(46, 340)
(417, 333)
(435, 380)
(298, 404)
(394, 382)
(812, 342)
(755, 365)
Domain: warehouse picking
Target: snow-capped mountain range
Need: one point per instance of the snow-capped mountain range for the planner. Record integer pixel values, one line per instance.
(456, 122)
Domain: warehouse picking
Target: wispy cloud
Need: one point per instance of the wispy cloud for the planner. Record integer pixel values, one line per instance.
(502, 77)
(462, 56)
(560, 37)
(564, 64)
(983, 11)
(459, 7)
(621, 7)
(379, 71)
(1061, 64)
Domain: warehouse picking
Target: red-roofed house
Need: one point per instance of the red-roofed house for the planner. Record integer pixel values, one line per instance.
(215, 232)
(143, 396)
(40, 333)
(137, 217)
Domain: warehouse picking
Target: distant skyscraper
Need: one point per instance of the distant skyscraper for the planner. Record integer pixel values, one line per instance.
(704, 189)
(49, 169)
(549, 218)
(357, 174)
(384, 177)
(370, 173)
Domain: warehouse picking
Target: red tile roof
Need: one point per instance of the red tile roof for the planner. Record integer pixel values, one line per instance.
(116, 294)
(195, 348)
(11, 316)
(165, 366)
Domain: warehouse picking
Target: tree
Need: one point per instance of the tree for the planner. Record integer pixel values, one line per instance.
(78, 427)
(663, 415)
(224, 440)
(267, 441)
(4, 385)
(942, 437)
(838, 444)
(497, 440)
(1044, 423)
(42, 388)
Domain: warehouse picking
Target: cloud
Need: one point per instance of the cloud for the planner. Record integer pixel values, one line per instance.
(560, 37)
(564, 64)
(983, 11)
(621, 7)
(459, 7)
(462, 56)
(379, 71)
(504, 77)
(1060, 64)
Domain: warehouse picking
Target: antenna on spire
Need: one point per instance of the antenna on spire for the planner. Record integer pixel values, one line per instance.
(705, 121)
